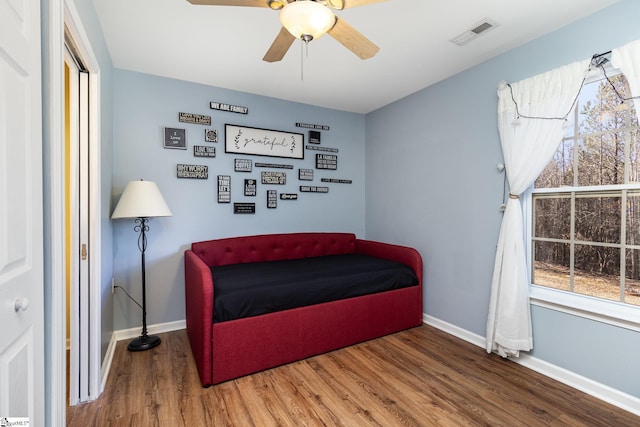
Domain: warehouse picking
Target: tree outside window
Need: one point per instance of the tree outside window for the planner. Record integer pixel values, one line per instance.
(586, 203)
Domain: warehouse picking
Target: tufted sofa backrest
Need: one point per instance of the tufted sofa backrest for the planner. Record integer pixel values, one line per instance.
(270, 247)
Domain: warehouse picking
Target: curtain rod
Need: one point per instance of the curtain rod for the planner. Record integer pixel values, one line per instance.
(598, 55)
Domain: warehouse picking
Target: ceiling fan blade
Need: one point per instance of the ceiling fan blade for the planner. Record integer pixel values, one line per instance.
(252, 3)
(352, 39)
(343, 4)
(280, 46)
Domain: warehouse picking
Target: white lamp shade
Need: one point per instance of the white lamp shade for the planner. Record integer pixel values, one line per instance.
(141, 199)
(307, 18)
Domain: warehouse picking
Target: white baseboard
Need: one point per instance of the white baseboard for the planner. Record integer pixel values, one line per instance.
(125, 334)
(158, 328)
(106, 362)
(603, 392)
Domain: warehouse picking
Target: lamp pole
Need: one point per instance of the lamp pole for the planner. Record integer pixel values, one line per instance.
(144, 341)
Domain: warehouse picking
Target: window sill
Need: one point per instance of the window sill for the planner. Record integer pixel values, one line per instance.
(610, 312)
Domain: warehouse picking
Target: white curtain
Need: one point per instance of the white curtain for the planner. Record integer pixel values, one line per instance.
(528, 145)
(627, 60)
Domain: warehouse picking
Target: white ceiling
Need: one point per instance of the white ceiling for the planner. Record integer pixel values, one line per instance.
(223, 46)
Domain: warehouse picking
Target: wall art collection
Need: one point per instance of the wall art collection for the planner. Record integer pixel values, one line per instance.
(252, 141)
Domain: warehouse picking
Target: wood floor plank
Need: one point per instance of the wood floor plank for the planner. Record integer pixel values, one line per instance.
(418, 377)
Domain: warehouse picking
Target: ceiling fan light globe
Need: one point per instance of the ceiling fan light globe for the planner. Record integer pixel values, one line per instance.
(308, 18)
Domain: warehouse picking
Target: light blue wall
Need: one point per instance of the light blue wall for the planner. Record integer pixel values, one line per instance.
(143, 105)
(432, 183)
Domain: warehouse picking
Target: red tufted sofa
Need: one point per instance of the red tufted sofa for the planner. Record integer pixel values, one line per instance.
(230, 349)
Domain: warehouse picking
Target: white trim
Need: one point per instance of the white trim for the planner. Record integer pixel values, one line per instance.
(73, 370)
(600, 391)
(158, 328)
(106, 363)
(57, 390)
(126, 334)
(610, 312)
(456, 331)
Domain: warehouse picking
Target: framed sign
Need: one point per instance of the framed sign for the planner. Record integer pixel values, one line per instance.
(204, 151)
(175, 138)
(192, 171)
(263, 142)
(224, 189)
(250, 187)
(337, 180)
(305, 174)
(313, 189)
(326, 161)
(269, 177)
(242, 165)
(273, 165)
(228, 107)
(197, 119)
(244, 208)
(211, 135)
(314, 137)
(272, 199)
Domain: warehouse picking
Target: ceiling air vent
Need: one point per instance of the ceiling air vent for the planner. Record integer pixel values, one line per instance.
(479, 28)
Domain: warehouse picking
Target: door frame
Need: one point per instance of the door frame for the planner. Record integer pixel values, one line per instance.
(61, 13)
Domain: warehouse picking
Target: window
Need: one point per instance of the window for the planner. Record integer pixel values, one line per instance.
(585, 206)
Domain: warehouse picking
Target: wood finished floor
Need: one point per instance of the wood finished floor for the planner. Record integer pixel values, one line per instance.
(419, 377)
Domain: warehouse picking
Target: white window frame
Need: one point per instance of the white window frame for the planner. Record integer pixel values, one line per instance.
(601, 310)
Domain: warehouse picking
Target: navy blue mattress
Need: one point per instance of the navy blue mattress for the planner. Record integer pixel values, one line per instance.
(251, 289)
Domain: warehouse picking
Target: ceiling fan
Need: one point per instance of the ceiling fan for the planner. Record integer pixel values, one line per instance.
(308, 20)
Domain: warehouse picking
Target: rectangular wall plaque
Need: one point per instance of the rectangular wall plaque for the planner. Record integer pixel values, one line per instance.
(263, 142)
(192, 171)
(305, 174)
(250, 187)
(335, 180)
(242, 165)
(204, 151)
(197, 119)
(326, 161)
(314, 137)
(273, 165)
(175, 138)
(288, 196)
(269, 177)
(228, 107)
(224, 189)
(310, 126)
(313, 189)
(272, 199)
(318, 148)
(211, 135)
(244, 208)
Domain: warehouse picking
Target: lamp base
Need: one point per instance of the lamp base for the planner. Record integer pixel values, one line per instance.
(144, 342)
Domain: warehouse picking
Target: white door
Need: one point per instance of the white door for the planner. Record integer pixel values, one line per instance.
(21, 234)
(78, 223)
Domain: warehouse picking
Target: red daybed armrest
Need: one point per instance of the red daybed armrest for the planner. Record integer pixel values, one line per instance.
(199, 313)
(403, 254)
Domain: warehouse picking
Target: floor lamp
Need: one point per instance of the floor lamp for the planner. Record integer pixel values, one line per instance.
(142, 200)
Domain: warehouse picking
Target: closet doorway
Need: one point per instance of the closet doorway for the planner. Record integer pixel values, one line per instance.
(81, 260)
